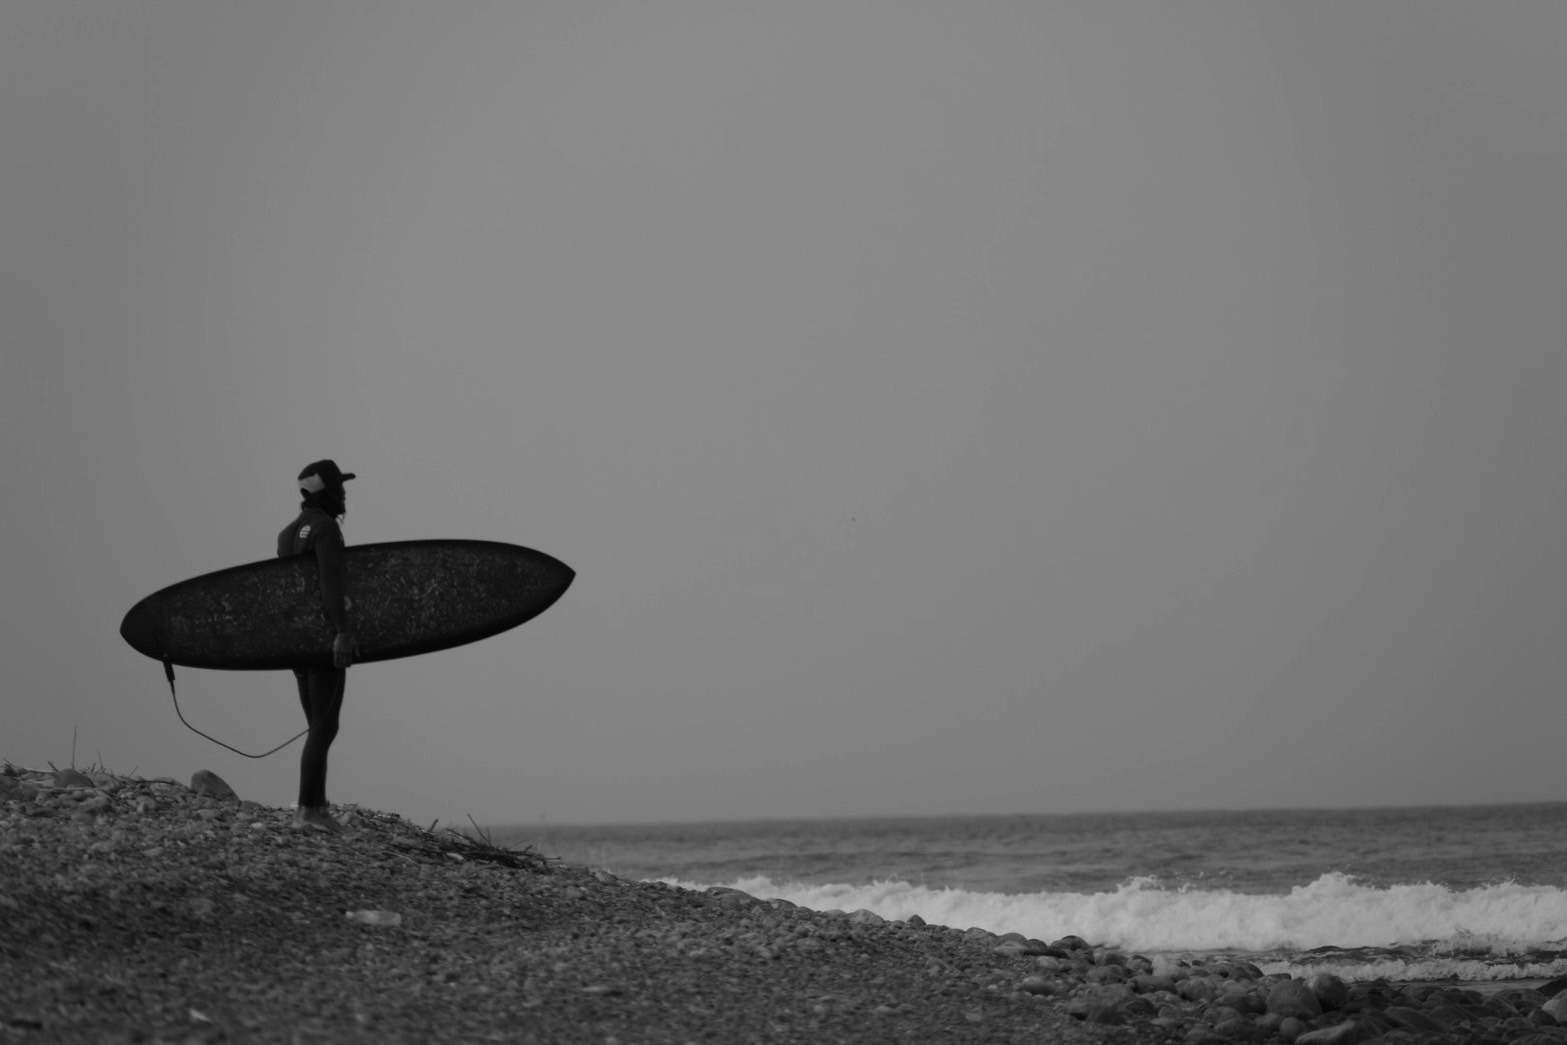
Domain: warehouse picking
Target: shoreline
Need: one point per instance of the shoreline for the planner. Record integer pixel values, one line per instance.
(135, 909)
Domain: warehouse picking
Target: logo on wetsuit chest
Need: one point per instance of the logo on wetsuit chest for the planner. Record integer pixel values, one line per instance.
(304, 531)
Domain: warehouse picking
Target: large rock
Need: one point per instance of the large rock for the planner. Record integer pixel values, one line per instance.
(1105, 1014)
(1294, 998)
(1556, 1008)
(1150, 982)
(1247, 1002)
(71, 778)
(1197, 988)
(1553, 987)
(1332, 992)
(1415, 1020)
(1235, 1028)
(1351, 1032)
(206, 782)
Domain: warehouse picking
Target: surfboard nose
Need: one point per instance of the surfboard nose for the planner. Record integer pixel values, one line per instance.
(140, 630)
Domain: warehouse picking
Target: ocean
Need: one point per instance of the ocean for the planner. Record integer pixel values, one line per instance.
(1473, 893)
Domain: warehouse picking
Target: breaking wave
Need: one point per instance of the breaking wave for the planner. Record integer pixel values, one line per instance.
(1404, 932)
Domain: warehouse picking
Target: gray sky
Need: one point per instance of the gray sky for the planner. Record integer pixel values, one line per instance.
(951, 407)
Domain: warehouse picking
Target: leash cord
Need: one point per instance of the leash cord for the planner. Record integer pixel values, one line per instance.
(168, 673)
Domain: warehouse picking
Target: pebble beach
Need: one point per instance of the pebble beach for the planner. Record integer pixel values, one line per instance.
(157, 910)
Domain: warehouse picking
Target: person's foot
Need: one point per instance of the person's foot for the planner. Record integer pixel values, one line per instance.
(319, 819)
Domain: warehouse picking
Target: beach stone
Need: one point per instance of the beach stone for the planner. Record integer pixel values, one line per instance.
(1525, 999)
(1111, 994)
(1205, 1036)
(1556, 1008)
(1107, 1015)
(1235, 1028)
(1294, 998)
(1551, 988)
(71, 778)
(206, 782)
(1037, 985)
(1351, 1032)
(1290, 1027)
(1332, 993)
(95, 804)
(1235, 971)
(1414, 1019)
(1244, 1001)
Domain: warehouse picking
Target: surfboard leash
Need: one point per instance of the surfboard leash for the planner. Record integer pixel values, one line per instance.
(168, 673)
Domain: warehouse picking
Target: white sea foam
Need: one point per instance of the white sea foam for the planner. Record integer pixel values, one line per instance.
(1467, 970)
(1448, 926)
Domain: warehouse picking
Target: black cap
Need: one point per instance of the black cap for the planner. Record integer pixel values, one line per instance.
(322, 474)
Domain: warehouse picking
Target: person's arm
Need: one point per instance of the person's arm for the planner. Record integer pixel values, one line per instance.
(329, 567)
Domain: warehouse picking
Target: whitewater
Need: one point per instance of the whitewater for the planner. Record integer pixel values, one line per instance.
(1426, 931)
(1473, 893)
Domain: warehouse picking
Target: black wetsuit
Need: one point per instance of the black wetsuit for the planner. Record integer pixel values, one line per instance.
(320, 688)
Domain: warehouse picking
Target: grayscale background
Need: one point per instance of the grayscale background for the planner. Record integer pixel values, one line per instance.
(948, 407)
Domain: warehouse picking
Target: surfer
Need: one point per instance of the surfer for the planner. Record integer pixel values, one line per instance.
(317, 529)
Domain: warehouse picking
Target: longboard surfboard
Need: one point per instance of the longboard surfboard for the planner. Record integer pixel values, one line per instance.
(405, 598)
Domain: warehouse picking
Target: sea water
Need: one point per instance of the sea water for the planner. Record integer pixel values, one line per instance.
(1477, 893)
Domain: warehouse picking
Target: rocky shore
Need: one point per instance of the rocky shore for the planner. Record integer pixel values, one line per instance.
(156, 911)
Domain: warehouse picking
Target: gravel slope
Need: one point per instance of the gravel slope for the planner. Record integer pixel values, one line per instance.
(140, 910)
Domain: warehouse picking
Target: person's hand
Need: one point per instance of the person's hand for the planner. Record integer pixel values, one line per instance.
(344, 649)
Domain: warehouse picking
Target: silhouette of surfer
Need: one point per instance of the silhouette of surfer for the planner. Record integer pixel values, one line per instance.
(323, 503)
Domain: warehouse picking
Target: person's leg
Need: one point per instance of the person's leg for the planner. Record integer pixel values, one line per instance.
(321, 691)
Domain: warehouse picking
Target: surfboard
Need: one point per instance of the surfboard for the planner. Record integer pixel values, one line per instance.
(405, 598)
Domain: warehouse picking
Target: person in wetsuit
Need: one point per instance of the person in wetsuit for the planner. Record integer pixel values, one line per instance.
(317, 529)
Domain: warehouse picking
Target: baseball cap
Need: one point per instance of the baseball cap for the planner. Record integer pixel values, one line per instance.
(319, 475)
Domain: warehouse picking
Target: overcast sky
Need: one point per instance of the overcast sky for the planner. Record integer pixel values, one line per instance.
(947, 407)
